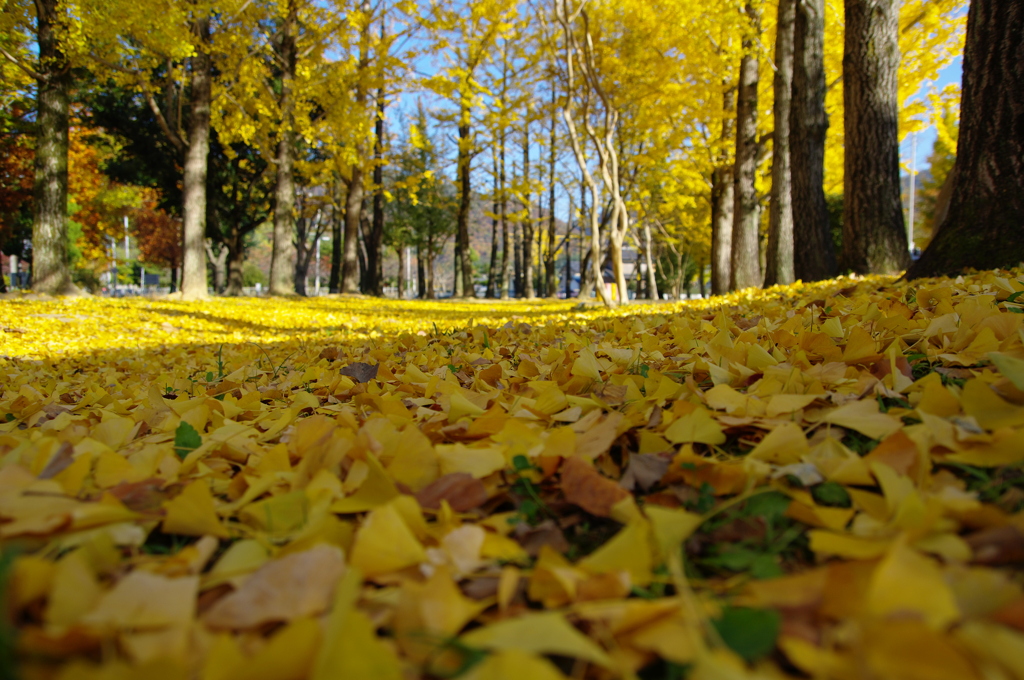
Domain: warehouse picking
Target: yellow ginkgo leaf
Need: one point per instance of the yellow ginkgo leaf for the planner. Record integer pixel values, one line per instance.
(193, 513)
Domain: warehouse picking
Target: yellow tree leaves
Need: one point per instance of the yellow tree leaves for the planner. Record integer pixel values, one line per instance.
(820, 479)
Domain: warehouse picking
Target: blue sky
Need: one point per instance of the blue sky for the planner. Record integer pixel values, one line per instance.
(926, 138)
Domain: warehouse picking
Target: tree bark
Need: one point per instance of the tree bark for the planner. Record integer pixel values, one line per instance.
(402, 257)
(746, 266)
(374, 246)
(236, 259)
(463, 261)
(874, 239)
(337, 242)
(51, 273)
(984, 223)
(722, 205)
(550, 285)
(283, 256)
(779, 258)
(193, 270)
(528, 236)
(353, 214)
(652, 281)
(494, 269)
(815, 257)
(506, 233)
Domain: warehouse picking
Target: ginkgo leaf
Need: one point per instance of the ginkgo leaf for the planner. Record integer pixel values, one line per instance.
(193, 513)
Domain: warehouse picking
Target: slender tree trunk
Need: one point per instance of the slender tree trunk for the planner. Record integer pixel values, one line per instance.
(518, 260)
(337, 243)
(51, 273)
(353, 215)
(779, 259)
(283, 256)
(463, 261)
(494, 269)
(235, 260)
(403, 257)
(874, 240)
(746, 269)
(428, 286)
(375, 244)
(984, 223)
(421, 275)
(528, 236)
(652, 281)
(568, 254)
(506, 232)
(550, 285)
(814, 258)
(722, 205)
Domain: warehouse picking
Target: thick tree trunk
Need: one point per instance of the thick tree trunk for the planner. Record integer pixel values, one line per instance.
(517, 257)
(874, 239)
(814, 258)
(353, 214)
(779, 258)
(528, 235)
(51, 273)
(463, 261)
(193, 270)
(283, 256)
(984, 223)
(746, 266)
(722, 205)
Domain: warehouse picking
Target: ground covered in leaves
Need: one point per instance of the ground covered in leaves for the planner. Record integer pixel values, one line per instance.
(816, 481)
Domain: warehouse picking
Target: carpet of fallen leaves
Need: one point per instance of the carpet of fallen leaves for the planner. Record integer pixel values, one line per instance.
(816, 481)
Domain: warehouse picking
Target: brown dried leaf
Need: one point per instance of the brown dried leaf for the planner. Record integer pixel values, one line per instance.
(288, 588)
(462, 490)
(586, 487)
(360, 371)
(645, 470)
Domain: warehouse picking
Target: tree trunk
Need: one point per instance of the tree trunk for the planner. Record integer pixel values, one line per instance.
(652, 281)
(494, 269)
(421, 275)
(722, 209)
(550, 285)
(402, 259)
(506, 233)
(874, 239)
(375, 244)
(353, 215)
(568, 255)
(428, 286)
(528, 290)
(50, 268)
(283, 257)
(218, 264)
(517, 257)
(193, 270)
(779, 259)
(236, 258)
(463, 261)
(337, 243)
(984, 223)
(815, 258)
(746, 266)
